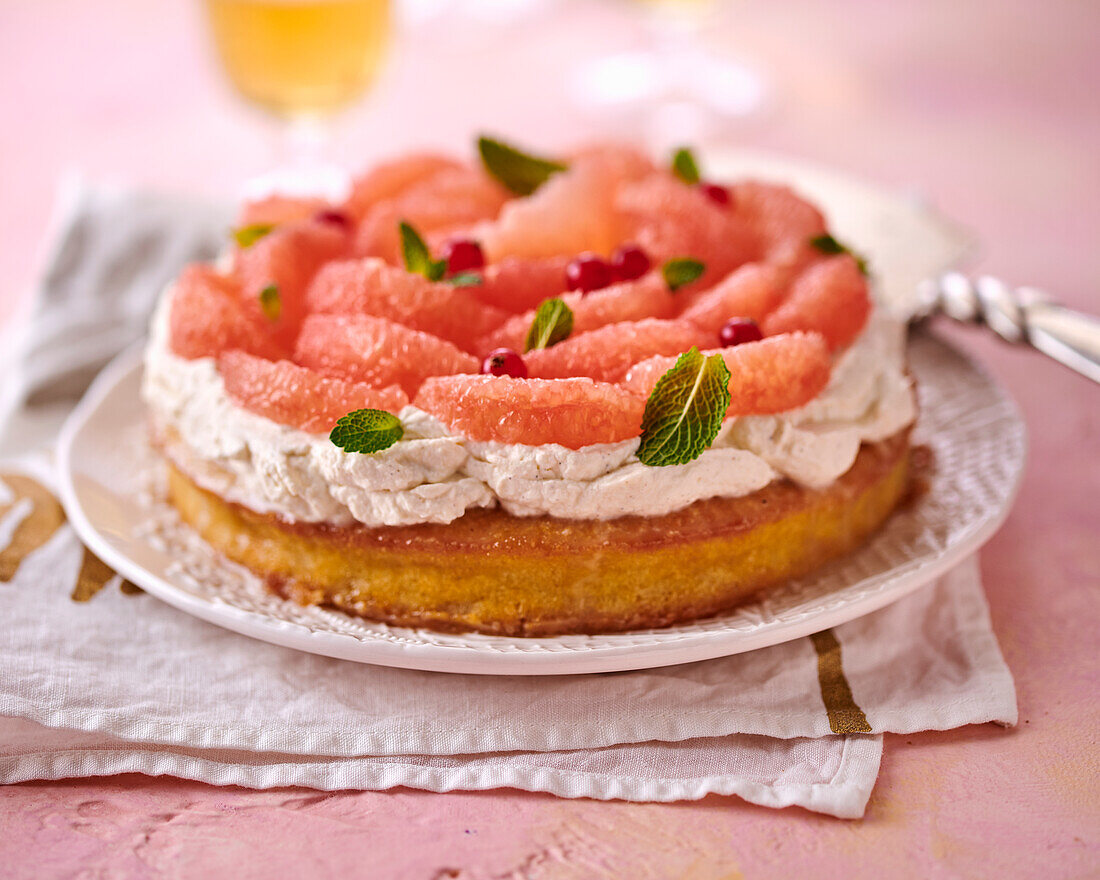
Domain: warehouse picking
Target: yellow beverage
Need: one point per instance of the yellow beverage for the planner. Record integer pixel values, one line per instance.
(301, 57)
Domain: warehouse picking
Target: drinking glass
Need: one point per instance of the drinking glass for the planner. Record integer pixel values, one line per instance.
(303, 62)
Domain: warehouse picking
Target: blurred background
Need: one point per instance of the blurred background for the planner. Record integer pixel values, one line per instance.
(986, 107)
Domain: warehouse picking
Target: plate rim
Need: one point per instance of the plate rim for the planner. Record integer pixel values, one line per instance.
(464, 659)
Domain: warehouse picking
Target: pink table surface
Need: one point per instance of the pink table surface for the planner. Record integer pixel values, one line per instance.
(987, 107)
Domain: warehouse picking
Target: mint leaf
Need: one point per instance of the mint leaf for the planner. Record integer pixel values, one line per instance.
(519, 172)
(246, 236)
(829, 245)
(682, 270)
(366, 430)
(271, 303)
(685, 410)
(465, 279)
(684, 166)
(553, 323)
(417, 257)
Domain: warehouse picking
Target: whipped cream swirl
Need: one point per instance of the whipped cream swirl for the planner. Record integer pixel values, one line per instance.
(433, 475)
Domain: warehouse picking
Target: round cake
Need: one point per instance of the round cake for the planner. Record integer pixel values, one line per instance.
(530, 395)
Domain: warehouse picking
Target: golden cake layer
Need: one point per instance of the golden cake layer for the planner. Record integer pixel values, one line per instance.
(492, 572)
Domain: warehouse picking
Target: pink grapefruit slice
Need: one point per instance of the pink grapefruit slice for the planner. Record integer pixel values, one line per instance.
(570, 412)
(607, 353)
(376, 352)
(297, 396)
(648, 297)
(206, 317)
(669, 219)
(830, 297)
(286, 259)
(771, 375)
(371, 286)
(752, 291)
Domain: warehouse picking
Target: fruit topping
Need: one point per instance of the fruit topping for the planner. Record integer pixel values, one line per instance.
(571, 412)
(587, 272)
(376, 351)
(504, 362)
(629, 262)
(752, 291)
(336, 218)
(297, 396)
(607, 353)
(830, 297)
(462, 255)
(207, 316)
(737, 331)
(373, 287)
(717, 194)
(773, 375)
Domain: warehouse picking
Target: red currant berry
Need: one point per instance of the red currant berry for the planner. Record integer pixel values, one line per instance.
(717, 194)
(587, 272)
(629, 262)
(336, 218)
(504, 362)
(738, 330)
(462, 255)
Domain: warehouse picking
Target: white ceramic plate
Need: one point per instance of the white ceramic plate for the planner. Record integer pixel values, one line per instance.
(973, 429)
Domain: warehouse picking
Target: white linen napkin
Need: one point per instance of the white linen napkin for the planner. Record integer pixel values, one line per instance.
(96, 677)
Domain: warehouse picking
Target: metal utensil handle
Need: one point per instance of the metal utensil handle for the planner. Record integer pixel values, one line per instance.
(1018, 315)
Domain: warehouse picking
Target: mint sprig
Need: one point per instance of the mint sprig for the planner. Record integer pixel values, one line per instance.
(553, 322)
(417, 257)
(519, 172)
(684, 166)
(271, 304)
(246, 236)
(465, 279)
(685, 410)
(366, 430)
(826, 244)
(680, 271)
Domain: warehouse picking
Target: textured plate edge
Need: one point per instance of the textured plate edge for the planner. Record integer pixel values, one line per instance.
(458, 659)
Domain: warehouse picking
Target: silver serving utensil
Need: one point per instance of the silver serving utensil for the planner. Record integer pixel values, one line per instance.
(1020, 315)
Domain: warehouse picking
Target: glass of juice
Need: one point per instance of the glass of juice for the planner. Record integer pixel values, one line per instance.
(301, 57)
(303, 61)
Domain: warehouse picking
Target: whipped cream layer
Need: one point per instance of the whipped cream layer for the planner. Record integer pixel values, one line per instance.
(433, 475)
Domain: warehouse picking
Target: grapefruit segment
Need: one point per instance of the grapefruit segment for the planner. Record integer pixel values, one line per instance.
(829, 297)
(769, 376)
(450, 200)
(392, 177)
(297, 396)
(570, 213)
(570, 412)
(519, 285)
(607, 353)
(277, 209)
(785, 222)
(206, 317)
(648, 297)
(287, 259)
(371, 286)
(752, 291)
(377, 352)
(669, 219)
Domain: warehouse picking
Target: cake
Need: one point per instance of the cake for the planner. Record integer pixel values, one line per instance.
(531, 396)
